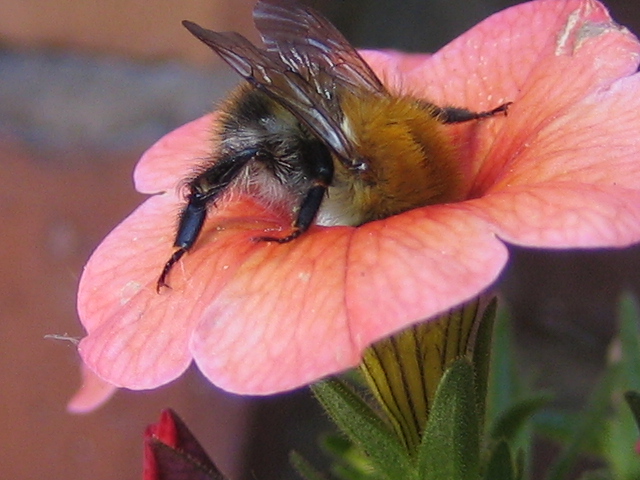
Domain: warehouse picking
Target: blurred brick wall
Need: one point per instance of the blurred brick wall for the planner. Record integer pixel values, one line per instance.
(139, 28)
(54, 210)
(65, 182)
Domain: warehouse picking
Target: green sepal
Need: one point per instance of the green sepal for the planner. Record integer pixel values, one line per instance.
(364, 428)
(500, 464)
(304, 468)
(450, 445)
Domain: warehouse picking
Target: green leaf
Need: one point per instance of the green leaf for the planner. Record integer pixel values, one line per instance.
(503, 385)
(364, 428)
(557, 425)
(511, 422)
(450, 444)
(336, 444)
(500, 465)
(622, 433)
(628, 314)
(596, 475)
(619, 442)
(590, 423)
(482, 355)
(633, 400)
(352, 463)
(521, 463)
(506, 388)
(304, 468)
(346, 471)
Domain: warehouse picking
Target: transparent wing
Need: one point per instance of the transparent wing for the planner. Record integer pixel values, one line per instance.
(308, 43)
(266, 72)
(305, 62)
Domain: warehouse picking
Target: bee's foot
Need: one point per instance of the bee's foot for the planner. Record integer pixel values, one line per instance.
(504, 108)
(160, 284)
(162, 280)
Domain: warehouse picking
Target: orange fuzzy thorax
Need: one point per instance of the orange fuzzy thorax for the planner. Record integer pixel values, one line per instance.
(411, 160)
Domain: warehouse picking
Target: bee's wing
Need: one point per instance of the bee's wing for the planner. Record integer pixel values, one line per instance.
(310, 45)
(266, 71)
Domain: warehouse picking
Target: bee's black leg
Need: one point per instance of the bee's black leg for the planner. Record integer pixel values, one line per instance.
(321, 172)
(191, 220)
(203, 190)
(306, 214)
(459, 115)
(162, 280)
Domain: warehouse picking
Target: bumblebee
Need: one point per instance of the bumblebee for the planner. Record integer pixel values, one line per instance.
(313, 126)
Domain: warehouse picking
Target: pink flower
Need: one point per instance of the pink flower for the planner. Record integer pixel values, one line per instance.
(562, 170)
(171, 452)
(93, 393)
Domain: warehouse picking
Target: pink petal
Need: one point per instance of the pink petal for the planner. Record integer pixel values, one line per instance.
(118, 269)
(493, 61)
(564, 215)
(115, 293)
(392, 66)
(544, 56)
(260, 318)
(566, 94)
(137, 337)
(282, 318)
(92, 394)
(143, 342)
(595, 142)
(175, 156)
(144, 346)
(298, 316)
(416, 265)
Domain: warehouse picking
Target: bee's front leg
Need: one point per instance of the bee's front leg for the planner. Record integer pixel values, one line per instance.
(203, 190)
(191, 220)
(320, 170)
